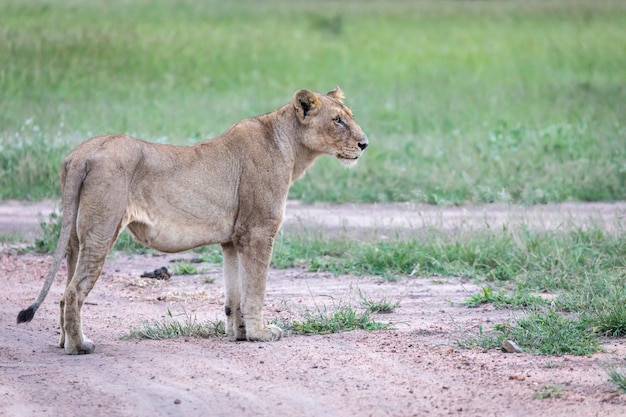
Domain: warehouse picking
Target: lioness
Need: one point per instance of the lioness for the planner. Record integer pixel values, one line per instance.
(229, 190)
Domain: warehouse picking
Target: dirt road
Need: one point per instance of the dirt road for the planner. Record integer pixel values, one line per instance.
(414, 369)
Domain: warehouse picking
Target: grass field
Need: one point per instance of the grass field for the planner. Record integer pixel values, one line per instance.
(463, 101)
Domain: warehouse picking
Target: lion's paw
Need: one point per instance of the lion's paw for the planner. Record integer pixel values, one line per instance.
(267, 334)
(85, 348)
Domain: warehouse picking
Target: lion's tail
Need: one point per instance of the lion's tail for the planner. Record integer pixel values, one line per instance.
(72, 176)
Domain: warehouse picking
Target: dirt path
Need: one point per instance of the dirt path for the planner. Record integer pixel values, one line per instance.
(413, 370)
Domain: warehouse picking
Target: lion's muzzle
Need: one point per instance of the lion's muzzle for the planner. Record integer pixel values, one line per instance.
(363, 142)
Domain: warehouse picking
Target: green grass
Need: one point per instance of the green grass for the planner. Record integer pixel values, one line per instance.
(463, 101)
(548, 391)
(186, 268)
(211, 254)
(171, 328)
(12, 238)
(50, 231)
(127, 244)
(503, 300)
(541, 332)
(536, 259)
(618, 379)
(340, 318)
(381, 306)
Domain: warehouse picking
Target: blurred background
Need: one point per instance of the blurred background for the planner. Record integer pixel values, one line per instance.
(463, 101)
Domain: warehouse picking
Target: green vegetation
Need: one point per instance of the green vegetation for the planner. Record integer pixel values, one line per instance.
(211, 254)
(186, 268)
(544, 333)
(536, 259)
(502, 300)
(171, 328)
(127, 244)
(381, 306)
(548, 391)
(50, 231)
(463, 101)
(341, 318)
(619, 379)
(11, 238)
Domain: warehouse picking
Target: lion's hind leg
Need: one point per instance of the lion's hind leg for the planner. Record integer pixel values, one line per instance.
(102, 208)
(72, 259)
(91, 259)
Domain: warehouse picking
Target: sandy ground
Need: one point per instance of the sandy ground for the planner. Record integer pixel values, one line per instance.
(414, 369)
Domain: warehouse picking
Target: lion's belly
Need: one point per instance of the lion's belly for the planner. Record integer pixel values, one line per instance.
(176, 232)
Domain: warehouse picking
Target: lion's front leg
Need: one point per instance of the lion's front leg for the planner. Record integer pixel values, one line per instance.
(254, 259)
(235, 326)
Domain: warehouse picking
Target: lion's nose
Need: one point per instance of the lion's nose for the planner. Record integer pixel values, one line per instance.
(363, 143)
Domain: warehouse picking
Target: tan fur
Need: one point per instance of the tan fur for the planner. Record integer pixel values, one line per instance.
(230, 190)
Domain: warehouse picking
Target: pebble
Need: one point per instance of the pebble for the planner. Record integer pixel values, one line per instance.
(511, 347)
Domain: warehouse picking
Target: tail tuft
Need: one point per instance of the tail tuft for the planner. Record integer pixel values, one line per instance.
(26, 315)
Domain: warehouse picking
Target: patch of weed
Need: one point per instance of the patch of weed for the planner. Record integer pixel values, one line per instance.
(210, 254)
(185, 268)
(127, 244)
(548, 391)
(171, 328)
(618, 378)
(11, 238)
(382, 306)
(50, 231)
(344, 318)
(605, 311)
(501, 300)
(544, 333)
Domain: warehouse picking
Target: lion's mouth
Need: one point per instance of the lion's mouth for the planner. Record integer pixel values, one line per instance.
(348, 161)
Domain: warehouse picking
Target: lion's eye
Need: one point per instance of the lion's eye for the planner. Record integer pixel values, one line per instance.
(338, 120)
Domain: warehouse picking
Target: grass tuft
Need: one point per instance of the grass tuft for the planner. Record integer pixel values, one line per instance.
(501, 300)
(548, 391)
(50, 231)
(618, 378)
(381, 306)
(11, 238)
(546, 333)
(343, 318)
(186, 268)
(609, 319)
(171, 328)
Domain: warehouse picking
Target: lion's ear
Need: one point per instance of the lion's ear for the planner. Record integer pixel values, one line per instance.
(306, 104)
(336, 94)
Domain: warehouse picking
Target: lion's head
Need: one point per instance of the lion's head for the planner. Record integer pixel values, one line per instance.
(331, 128)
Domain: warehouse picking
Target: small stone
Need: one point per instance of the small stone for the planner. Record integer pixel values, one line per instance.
(176, 401)
(511, 347)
